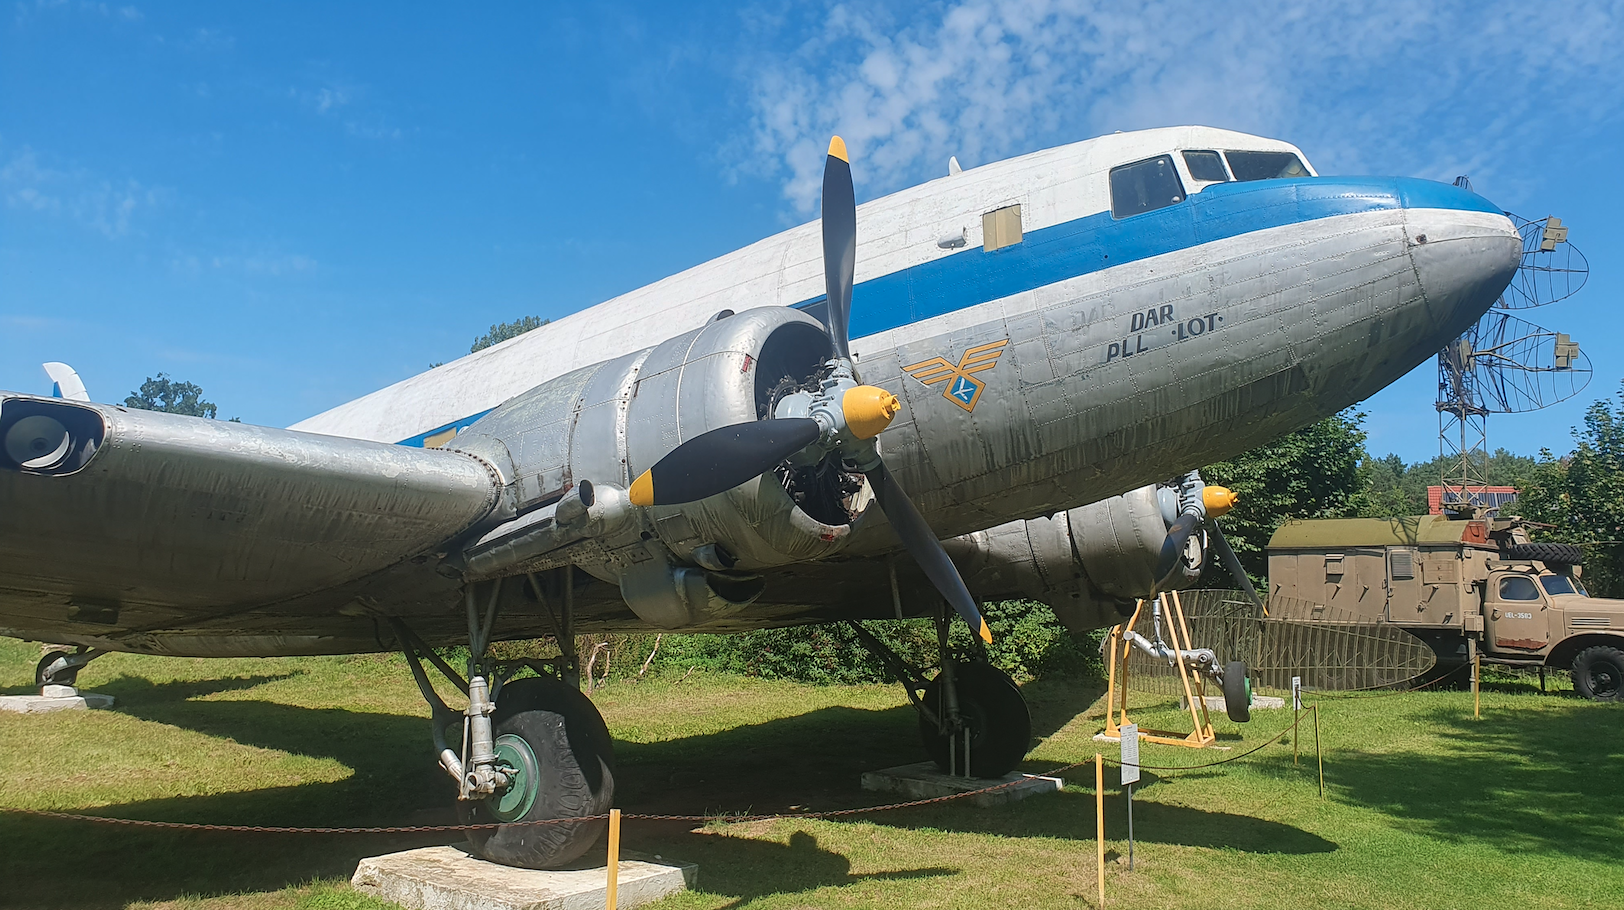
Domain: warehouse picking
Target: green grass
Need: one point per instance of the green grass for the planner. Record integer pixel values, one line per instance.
(1425, 807)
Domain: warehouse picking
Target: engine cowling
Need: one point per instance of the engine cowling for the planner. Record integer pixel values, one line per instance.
(595, 429)
(1088, 564)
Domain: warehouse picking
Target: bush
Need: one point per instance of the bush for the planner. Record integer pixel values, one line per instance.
(1028, 642)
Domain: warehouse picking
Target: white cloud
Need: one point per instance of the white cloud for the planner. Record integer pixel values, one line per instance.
(107, 206)
(1427, 89)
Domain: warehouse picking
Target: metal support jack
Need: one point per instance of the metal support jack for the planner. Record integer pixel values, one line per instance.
(1172, 643)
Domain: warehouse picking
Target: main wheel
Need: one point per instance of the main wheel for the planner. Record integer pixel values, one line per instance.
(993, 709)
(1598, 673)
(553, 743)
(66, 677)
(1237, 692)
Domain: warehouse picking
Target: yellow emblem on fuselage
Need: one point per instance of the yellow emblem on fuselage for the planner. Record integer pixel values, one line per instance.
(962, 388)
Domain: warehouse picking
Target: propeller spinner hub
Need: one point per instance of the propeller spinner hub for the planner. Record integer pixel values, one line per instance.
(868, 410)
(1218, 500)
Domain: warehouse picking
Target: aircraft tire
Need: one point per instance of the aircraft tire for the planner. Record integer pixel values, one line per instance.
(1237, 692)
(1598, 673)
(994, 709)
(68, 677)
(573, 777)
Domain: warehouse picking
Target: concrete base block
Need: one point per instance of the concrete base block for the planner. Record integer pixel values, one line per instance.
(925, 780)
(448, 878)
(1216, 702)
(48, 703)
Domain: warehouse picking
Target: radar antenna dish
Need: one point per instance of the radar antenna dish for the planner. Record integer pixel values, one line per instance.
(1504, 365)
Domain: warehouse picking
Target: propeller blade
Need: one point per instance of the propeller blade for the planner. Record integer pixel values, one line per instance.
(1173, 546)
(839, 244)
(721, 459)
(1233, 563)
(926, 550)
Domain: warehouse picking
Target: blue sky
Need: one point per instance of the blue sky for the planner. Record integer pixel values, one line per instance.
(295, 205)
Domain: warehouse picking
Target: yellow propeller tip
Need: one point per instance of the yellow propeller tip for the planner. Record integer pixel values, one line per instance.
(837, 149)
(985, 633)
(642, 491)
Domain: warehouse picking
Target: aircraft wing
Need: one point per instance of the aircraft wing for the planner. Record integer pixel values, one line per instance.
(103, 506)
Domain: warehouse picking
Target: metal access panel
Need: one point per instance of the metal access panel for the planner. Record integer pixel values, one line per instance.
(1355, 581)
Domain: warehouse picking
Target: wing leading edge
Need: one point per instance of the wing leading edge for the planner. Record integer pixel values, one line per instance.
(102, 505)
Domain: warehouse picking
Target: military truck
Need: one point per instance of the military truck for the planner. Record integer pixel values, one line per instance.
(1459, 584)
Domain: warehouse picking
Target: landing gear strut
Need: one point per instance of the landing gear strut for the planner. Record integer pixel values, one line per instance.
(973, 719)
(536, 758)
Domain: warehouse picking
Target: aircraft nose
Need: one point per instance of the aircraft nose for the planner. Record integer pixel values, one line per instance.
(1463, 259)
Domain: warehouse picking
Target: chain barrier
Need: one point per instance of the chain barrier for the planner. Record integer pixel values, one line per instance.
(698, 819)
(1381, 691)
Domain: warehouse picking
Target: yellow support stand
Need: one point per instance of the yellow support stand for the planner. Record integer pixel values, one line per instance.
(1177, 631)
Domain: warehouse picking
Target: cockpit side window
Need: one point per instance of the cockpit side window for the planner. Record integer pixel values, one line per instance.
(1145, 186)
(1265, 165)
(1206, 167)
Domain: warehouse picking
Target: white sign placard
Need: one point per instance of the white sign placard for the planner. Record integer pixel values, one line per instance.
(1130, 754)
(1296, 693)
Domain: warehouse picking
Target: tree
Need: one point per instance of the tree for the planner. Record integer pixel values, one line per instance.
(160, 393)
(1396, 489)
(1581, 495)
(1318, 471)
(503, 331)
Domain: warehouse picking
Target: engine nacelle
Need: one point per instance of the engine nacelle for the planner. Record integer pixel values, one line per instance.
(1088, 564)
(606, 423)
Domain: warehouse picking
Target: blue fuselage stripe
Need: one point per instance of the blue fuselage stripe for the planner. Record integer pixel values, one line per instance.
(1097, 242)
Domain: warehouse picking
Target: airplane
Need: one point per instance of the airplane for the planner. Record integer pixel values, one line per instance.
(994, 384)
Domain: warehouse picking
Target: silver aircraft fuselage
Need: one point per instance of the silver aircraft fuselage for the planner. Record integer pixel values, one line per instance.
(1095, 354)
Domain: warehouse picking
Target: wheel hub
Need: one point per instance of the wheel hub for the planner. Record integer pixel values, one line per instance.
(1602, 682)
(516, 760)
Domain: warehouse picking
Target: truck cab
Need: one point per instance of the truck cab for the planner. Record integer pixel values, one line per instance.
(1460, 584)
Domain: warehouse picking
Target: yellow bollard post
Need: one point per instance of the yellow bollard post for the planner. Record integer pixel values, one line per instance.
(1477, 686)
(614, 859)
(1099, 819)
(1318, 755)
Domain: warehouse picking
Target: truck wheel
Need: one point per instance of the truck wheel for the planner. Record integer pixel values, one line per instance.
(1565, 554)
(1598, 673)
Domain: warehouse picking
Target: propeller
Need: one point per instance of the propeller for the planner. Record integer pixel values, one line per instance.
(1215, 501)
(844, 417)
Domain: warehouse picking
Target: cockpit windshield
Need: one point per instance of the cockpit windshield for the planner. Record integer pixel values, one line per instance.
(1145, 186)
(1206, 167)
(1560, 584)
(1265, 165)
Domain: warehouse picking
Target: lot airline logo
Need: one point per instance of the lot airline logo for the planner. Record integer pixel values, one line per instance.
(962, 387)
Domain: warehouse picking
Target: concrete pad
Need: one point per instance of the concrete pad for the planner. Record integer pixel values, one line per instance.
(925, 780)
(1216, 702)
(448, 878)
(47, 704)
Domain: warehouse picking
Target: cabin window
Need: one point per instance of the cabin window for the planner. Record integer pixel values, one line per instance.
(1557, 584)
(1265, 165)
(1206, 167)
(1518, 587)
(1001, 228)
(1145, 186)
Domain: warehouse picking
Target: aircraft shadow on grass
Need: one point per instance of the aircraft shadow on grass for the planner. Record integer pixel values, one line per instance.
(808, 761)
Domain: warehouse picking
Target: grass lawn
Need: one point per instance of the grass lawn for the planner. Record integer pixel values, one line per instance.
(1425, 807)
